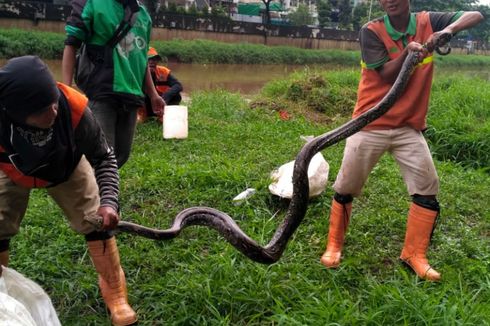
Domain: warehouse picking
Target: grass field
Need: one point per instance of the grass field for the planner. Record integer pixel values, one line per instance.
(199, 279)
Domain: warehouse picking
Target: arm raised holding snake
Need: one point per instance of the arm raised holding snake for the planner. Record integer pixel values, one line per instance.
(385, 99)
(386, 46)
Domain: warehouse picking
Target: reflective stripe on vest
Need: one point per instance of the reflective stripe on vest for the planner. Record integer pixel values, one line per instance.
(426, 60)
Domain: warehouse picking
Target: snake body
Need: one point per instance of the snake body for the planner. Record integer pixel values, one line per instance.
(298, 205)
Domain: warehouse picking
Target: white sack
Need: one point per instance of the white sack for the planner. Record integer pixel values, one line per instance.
(13, 313)
(20, 295)
(282, 178)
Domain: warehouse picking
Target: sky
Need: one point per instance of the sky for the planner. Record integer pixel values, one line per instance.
(485, 2)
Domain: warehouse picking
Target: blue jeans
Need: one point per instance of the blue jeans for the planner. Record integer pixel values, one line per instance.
(118, 121)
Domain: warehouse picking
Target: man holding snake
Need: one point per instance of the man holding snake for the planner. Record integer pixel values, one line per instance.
(385, 43)
(49, 138)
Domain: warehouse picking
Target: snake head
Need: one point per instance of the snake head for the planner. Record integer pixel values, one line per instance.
(95, 220)
(439, 40)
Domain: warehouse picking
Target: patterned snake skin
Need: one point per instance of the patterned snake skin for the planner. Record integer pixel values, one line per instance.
(298, 205)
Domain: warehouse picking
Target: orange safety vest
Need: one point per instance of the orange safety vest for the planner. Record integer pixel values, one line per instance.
(411, 108)
(160, 79)
(77, 103)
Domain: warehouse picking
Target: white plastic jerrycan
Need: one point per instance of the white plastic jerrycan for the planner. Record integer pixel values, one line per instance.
(175, 122)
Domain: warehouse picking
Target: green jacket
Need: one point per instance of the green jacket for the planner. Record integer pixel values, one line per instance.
(94, 22)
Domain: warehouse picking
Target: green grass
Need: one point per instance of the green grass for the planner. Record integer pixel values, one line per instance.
(47, 45)
(17, 42)
(458, 119)
(199, 279)
(205, 51)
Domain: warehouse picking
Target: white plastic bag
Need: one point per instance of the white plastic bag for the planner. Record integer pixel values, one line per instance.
(24, 298)
(241, 197)
(282, 178)
(13, 313)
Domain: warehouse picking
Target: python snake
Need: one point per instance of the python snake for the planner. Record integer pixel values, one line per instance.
(298, 205)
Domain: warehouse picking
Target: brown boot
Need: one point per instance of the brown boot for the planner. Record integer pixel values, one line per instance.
(420, 224)
(112, 282)
(4, 259)
(339, 220)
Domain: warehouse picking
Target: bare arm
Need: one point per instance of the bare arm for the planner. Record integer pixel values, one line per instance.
(390, 70)
(157, 103)
(68, 64)
(467, 20)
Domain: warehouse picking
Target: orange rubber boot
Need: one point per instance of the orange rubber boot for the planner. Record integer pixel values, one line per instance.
(4, 259)
(420, 224)
(112, 281)
(339, 220)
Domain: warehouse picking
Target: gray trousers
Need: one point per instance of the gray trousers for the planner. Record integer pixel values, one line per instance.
(410, 150)
(118, 123)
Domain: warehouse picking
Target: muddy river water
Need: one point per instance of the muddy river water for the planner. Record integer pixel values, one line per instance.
(246, 79)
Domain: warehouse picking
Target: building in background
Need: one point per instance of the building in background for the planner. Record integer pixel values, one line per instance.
(254, 12)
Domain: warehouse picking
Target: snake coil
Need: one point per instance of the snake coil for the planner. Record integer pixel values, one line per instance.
(298, 205)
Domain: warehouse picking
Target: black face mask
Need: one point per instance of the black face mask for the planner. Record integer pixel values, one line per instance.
(35, 144)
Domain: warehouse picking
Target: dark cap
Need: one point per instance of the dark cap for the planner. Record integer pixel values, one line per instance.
(26, 87)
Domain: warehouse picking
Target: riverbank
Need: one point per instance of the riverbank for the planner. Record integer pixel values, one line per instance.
(15, 42)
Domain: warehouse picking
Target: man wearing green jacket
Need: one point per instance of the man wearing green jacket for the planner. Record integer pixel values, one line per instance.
(115, 88)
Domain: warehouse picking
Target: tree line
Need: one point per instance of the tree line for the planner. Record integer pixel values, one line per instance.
(340, 14)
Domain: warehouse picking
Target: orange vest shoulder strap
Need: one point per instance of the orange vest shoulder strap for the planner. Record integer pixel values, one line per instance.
(77, 101)
(163, 72)
(379, 28)
(424, 28)
(422, 23)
